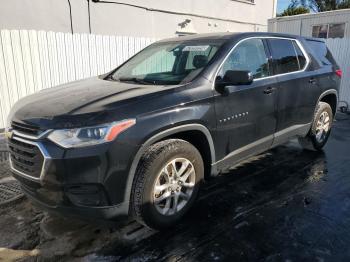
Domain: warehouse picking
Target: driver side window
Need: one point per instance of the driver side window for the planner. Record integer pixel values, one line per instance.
(250, 55)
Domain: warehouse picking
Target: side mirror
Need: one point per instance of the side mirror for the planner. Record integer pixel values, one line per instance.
(235, 77)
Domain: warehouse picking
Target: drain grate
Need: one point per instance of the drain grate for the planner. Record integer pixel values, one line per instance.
(10, 191)
(4, 156)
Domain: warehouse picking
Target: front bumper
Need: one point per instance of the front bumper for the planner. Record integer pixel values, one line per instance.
(88, 213)
(86, 182)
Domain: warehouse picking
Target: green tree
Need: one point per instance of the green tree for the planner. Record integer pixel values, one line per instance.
(344, 4)
(325, 5)
(295, 9)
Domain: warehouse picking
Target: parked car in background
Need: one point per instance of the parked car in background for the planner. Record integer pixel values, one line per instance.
(140, 140)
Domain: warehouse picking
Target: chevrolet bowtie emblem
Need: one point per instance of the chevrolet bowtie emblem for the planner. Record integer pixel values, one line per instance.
(9, 134)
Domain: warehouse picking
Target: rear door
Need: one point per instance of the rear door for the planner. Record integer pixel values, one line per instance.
(245, 114)
(297, 88)
(326, 71)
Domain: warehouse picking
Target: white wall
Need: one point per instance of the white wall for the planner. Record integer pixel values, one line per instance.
(160, 20)
(37, 14)
(37, 49)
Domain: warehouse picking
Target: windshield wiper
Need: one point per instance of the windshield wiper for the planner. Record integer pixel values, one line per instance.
(110, 77)
(136, 80)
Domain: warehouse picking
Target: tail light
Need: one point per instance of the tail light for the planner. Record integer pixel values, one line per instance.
(339, 72)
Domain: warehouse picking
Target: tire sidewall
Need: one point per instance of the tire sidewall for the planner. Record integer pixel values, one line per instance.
(150, 213)
(322, 107)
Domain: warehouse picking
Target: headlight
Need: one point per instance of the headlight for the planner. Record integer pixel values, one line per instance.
(87, 136)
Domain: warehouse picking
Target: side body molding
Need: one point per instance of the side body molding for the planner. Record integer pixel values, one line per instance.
(158, 137)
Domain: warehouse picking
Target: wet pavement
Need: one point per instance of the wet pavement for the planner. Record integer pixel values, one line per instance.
(284, 205)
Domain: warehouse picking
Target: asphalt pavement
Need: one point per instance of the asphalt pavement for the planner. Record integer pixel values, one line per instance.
(284, 205)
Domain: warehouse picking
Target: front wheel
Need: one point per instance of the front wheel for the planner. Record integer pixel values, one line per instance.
(320, 129)
(166, 183)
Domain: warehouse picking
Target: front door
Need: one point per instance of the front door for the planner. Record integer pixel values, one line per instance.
(246, 119)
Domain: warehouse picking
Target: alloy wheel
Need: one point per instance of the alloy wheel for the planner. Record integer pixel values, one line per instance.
(174, 186)
(322, 126)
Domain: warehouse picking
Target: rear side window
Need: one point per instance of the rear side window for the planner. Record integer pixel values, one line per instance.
(321, 51)
(287, 56)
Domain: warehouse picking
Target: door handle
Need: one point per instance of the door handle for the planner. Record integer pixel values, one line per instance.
(269, 90)
(312, 81)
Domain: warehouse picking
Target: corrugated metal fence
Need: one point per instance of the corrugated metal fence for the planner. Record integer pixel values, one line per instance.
(34, 60)
(340, 49)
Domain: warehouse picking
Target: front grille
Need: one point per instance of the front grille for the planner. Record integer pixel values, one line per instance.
(26, 158)
(26, 129)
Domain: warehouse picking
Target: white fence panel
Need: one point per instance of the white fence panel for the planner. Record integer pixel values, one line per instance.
(4, 90)
(340, 49)
(34, 60)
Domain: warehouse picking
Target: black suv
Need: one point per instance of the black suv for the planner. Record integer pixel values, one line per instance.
(139, 140)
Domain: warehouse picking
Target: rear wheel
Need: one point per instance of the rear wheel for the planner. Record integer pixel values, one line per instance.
(166, 183)
(320, 129)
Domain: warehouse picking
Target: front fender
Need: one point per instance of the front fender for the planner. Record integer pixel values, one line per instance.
(159, 136)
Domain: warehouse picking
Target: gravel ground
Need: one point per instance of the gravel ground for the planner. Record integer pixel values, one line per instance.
(5, 173)
(283, 205)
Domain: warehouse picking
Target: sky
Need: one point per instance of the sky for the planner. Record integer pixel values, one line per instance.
(281, 5)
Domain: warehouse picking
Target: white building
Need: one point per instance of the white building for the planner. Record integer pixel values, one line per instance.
(38, 49)
(333, 26)
(146, 18)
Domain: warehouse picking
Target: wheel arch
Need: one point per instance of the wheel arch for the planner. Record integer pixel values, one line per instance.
(174, 132)
(331, 97)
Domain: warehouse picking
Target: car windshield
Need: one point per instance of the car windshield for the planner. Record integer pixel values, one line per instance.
(168, 63)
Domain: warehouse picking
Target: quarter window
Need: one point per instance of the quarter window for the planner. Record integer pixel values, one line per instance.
(251, 56)
(287, 56)
(321, 51)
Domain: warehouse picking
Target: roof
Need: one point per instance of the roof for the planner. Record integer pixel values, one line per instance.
(312, 15)
(210, 36)
(225, 36)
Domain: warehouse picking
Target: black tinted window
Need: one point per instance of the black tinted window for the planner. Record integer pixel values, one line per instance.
(336, 31)
(328, 31)
(300, 56)
(250, 56)
(320, 31)
(284, 56)
(321, 51)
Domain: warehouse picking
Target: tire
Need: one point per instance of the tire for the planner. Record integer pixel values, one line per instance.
(156, 179)
(314, 141)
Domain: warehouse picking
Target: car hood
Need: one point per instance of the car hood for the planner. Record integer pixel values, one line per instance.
(56, 107)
